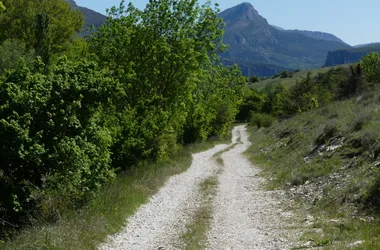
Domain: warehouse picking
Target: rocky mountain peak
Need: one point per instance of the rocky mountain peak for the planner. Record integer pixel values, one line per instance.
(242, 15)
(247, 11)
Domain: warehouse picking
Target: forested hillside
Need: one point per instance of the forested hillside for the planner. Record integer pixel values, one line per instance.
(75, 112)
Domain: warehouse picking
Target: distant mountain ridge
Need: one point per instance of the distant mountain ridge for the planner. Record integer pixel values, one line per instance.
(351, 55)
(366, 44)
(319, 35)
(252, 39)
(313, 34)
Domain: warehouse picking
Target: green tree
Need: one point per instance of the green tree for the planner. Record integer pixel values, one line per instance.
(253, 79)
(2, 7)
(157, 54)
(47, 26)
(11, 51)
(370, 65)
(253, 102)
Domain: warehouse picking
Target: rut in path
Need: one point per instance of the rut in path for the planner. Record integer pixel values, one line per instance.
(244, 215)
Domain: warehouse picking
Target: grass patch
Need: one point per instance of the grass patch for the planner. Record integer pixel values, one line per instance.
(107, 213)
(336, 231)
(218, 156)
(195, 237)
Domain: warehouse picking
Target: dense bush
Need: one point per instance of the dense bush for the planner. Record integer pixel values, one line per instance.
(53, 135)
(11, 50)
(135, 90)
(371, 67)
(252, 102)
(261, 120)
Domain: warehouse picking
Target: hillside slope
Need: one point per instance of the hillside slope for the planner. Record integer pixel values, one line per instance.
(319, 140)
(336, 180)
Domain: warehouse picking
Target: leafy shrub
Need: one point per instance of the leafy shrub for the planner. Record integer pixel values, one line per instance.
(261, 120)
(253, 79)
(52, 136)
(253, 102)
(371, 67)
(11, 51)
(285, 74)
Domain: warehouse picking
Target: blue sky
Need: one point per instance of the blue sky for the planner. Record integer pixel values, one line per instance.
(355, 22)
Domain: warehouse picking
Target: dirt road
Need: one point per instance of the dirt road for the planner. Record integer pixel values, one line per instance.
(243, 214)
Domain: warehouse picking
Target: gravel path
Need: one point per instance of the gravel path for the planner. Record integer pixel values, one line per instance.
(244, 215)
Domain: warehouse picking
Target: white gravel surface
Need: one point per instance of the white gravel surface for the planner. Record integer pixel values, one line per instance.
(245, 216)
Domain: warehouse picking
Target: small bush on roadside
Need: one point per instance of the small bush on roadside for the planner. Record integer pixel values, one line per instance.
(261, 120)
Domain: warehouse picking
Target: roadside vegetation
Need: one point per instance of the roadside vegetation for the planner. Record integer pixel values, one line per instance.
(80, 118)
(107, 213)
(320, 141)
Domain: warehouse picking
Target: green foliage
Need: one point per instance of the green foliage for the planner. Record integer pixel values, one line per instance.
(11, 51)
(79, 49)
(144, 83)
(283, 74)
(309, 92)
(261, 120)
(2, 7)
(167, 67)
(253, 79)
(371, 67)
(253, 102)
(348, 86)
(53, 136)
(47, 26)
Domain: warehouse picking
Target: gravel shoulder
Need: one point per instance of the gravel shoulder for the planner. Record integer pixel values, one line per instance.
(244, 215)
